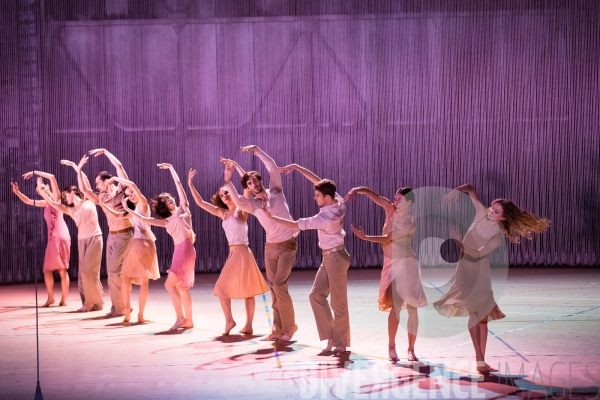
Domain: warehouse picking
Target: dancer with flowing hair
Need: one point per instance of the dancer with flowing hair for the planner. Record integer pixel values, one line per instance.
(471, 294)
(58, 248)
(240, 277)
(178, 222)
(89, 238)
(141, 262)
(400, 264)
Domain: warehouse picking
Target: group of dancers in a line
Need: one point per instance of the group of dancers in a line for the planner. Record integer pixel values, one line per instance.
(131, 252)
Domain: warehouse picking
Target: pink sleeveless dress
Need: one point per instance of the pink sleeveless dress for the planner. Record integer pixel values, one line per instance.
(179, 226)
(58, 249)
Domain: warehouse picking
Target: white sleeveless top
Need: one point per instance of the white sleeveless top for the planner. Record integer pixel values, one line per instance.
(179, 225)
(142, 229)
(235, 229)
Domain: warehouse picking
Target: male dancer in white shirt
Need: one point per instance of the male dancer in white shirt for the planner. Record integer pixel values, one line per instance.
(331, 277)
(280, 247)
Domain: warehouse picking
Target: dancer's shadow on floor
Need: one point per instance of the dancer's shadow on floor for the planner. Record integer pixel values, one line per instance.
(234, 338)
(98, 318)
(168, 332)
(417, 366)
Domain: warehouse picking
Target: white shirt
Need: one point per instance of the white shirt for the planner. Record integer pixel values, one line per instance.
(235, 229)
(276, 204)
(86, 219)
(329, 223)
(179, 225)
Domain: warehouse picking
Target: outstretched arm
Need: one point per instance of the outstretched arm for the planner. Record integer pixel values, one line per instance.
(285, 222)
(307, 173)
(24, 198)
(274, 174)
(206, 206)
(149, 220)
(82, 181)
(239, 169)
(54, 204)
(387, 205)
(467, 187)
(183, 200)
(360, 233)
(113, 160)
(51, 178)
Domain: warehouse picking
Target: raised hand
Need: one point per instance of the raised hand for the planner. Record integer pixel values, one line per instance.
(288, 169)
(164, 165)
(28, 175)
(68, 163)
(352, 194)
(15, 187)
(39, 182)
(227, 161)
(252, 147)
(97, 152)
(360, 232)
(191, 175)
(451, 197)
(228, 173)
(82, 162)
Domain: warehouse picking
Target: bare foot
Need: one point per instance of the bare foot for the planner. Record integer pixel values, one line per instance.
(288, 335)
(141, 319)
(189, 324)
(86, 309)
(272, 336)
(412, 356)
(393, 355)
(490, 368)
(327, 349)
(339, 350)
(247, 330)
(62, 303)
(48, 303)
(178, 324)
(228, 327)
(482, 368)
(127, 315)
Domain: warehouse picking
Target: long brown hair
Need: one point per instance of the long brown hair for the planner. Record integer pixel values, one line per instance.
(518, 222)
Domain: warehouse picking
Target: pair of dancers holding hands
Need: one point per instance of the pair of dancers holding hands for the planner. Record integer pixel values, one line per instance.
(240, 278)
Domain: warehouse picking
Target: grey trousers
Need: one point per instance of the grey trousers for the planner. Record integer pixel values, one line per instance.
(116, 248)
(88, 281)
(279, 260)
(331, 279)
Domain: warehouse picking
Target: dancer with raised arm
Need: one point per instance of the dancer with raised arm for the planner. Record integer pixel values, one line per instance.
(471, 294)
(120, 229)
(240, 277)
(89, 239)
(58, 248)
(280, 247)
(178, 222)
(400, 264)
(331, 277)
(141, 262)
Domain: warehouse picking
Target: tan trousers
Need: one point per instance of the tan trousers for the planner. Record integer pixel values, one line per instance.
(279, 260)
(116, 247)
(332, 279)
(88, 280)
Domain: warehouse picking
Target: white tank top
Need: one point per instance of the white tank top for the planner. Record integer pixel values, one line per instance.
(142, 229)
(235, 229)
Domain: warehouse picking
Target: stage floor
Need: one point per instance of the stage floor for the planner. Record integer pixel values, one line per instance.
(548, 341)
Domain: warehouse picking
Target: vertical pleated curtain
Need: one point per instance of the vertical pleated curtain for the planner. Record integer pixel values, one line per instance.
(386, 94)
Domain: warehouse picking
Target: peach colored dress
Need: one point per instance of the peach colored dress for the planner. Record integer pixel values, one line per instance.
(141, 260)
(400, 265)
(240, 277)
(58, 249)
(472, 292)
(179, 226)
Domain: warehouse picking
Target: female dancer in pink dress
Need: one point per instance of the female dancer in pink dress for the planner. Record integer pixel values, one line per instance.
(141, 262)
(400, 264)
(178, 222)
(471, 294)
(58, 248)
(240, 277)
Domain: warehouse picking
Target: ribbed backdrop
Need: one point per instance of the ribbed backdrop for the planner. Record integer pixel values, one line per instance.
(382, 93)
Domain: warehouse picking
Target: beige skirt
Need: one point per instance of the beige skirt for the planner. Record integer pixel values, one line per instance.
(240, 277)
(140, 261)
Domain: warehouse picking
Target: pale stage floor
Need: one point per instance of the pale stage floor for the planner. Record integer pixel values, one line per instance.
(548, 341)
